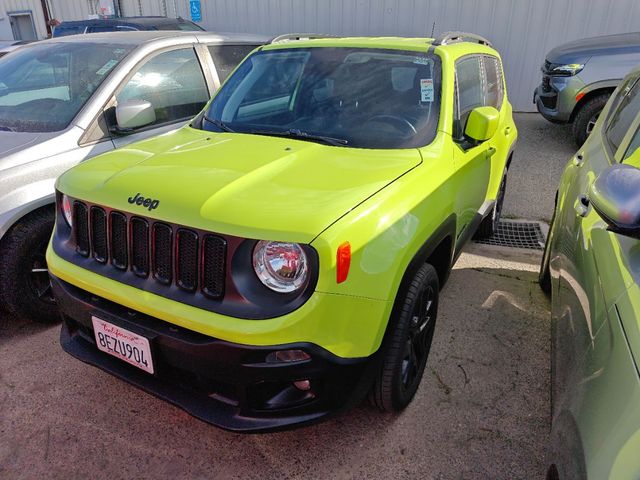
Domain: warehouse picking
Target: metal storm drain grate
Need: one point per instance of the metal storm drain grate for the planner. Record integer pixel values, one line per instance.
(517, 235)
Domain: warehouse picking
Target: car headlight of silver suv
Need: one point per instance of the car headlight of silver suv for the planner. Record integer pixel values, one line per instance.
(566, 69)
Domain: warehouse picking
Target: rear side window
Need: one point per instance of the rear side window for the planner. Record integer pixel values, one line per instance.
(227, 57)
(626, 112)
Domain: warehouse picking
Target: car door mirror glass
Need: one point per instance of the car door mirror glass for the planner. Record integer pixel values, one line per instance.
(615, 196)
(482, 123)
(133, 113)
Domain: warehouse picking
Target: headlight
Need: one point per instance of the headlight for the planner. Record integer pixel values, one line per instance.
(568, 69)
(283, 267)
(67, 210)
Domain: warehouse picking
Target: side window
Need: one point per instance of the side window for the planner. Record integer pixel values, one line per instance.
(621, 120)
(227, 57)
(174, 84)
(493, 85)
(633, 146)
(469, 92)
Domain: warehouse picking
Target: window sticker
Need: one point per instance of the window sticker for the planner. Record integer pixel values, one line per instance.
(426, 90)
(421, 61)
(106, 67)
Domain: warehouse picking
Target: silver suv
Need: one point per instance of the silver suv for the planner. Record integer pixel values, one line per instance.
(68, 99)
(578, 78)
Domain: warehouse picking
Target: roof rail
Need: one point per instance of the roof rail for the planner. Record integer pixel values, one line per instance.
(454, 37)
(288, 37)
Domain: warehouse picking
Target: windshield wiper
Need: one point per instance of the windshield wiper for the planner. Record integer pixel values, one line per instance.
(219, 123)
(296, 133)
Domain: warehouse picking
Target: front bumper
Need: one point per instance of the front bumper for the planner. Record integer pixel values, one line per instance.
(555, 97)
(226, 384)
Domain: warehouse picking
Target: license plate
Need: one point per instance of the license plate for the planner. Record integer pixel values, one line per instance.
(123, 344)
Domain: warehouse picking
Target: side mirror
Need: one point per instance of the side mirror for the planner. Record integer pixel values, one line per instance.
(482, 123)
(132, 114)
(615, 196)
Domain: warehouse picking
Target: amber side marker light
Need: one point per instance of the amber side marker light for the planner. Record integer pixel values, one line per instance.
(343, 262)
(579, 96)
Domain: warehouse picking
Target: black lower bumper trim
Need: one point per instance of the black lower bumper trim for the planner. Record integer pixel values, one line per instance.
(228, 385)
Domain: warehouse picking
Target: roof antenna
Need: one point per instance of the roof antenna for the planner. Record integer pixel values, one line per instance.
(433, 29)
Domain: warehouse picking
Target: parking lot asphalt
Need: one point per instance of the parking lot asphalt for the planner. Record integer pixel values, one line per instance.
(482, 410)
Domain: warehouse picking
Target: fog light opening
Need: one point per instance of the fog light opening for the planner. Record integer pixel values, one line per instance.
(287, 356)
(302, 385)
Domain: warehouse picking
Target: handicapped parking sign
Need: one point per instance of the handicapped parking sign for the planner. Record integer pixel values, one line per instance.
(196, 11)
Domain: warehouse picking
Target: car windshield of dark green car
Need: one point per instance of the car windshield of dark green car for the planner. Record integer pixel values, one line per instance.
(354, 97)
(44, 86)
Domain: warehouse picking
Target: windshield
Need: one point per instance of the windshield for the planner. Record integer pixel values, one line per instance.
(363, 98)
(43, 87)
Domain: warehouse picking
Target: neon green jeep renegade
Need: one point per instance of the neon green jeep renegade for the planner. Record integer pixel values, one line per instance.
(280, 258)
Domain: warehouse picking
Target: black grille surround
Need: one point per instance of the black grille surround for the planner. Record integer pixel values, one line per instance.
(200, 268)
(142, 246)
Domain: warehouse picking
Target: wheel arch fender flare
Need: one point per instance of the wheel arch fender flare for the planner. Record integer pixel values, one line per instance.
(438, 248)
(9, 218)
(592, 90)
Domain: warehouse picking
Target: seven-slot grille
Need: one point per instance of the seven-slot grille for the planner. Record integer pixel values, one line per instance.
(170, 254)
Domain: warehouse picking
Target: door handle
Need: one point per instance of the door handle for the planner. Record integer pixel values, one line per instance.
(507, 130)
(578, 160)
(582, 206)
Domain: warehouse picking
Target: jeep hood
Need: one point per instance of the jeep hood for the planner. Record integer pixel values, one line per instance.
(238, 184)
(579, 51)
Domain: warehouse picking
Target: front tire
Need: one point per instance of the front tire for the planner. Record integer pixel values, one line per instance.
(409, 344)
(25, 288)
(587, 116)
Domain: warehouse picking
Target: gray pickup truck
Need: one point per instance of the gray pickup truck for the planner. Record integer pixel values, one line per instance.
(578, 78)
(68, 99)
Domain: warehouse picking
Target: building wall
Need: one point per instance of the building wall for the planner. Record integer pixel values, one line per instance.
(34, 6)
(72, 9)
(5, 26)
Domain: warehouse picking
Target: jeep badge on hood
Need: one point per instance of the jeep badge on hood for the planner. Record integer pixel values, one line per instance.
(145, 202)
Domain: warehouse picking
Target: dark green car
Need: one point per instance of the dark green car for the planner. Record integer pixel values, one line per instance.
(591, 268)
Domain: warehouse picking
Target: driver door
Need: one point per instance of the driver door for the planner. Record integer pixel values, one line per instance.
(472, 160)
